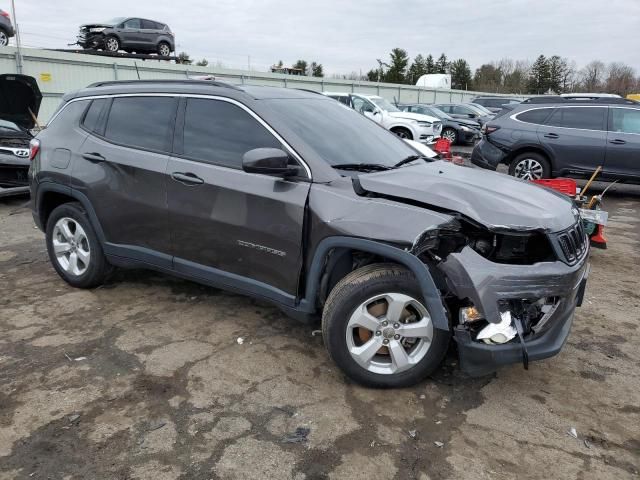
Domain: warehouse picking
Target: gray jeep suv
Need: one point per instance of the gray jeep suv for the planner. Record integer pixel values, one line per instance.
(128, 34)
(553, 137)
(287, 196)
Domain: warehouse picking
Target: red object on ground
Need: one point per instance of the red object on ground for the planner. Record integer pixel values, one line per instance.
(598, 239)
(567, 186)
(443, 147)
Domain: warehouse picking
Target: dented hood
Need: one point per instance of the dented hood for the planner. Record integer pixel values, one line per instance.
(495, 200)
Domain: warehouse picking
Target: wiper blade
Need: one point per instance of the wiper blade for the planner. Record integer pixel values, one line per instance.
(409, 159)
(361, 167)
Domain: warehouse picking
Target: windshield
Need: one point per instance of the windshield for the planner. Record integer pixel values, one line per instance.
(384, 104)
(339, 134)
(480, 109)
(436, 112)
(115, 21)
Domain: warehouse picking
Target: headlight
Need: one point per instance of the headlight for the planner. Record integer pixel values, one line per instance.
(96, 29)
(424, 124)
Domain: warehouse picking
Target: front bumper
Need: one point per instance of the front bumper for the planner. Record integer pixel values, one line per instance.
(91, 40)
(13, 171)
(486, 284)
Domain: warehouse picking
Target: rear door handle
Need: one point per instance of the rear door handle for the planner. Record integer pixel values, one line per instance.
(187, 178)
(93, 157)
(551, 135)
(617, 141)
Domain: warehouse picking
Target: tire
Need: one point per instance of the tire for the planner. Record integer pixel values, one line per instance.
(530, 166)
(402, 132)
(373, 285)
(450, 134)
(164, 49)
(4, 38)
(91, 266)
(111, 44)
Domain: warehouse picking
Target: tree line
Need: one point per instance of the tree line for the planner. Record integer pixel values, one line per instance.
(553, 74)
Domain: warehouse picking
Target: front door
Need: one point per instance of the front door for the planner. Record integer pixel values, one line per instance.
(132, 35)
(224, 220)
(623, 143)
(121, 169)
(577, 137)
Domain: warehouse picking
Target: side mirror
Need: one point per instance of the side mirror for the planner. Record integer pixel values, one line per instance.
(376, 112)
(268, 161)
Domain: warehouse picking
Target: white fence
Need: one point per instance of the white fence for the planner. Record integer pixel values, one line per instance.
(60, 72)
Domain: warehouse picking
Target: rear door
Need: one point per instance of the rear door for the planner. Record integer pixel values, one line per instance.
(623, 143)
(222, 218)
(132, 33)
(576, 138)
(121, 169)
(150, 31)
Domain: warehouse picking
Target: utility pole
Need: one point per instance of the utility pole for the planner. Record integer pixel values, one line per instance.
(19, 51)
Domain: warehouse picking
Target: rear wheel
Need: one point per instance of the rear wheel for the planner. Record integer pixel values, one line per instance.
(530, 166)
(111, 44)
(73, 247)
(164, 50)
(4, 38)
(402, 133)
(378, 330)
(450, 134)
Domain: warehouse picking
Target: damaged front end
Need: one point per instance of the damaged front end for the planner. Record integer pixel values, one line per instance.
(511, 294)
(92, 36)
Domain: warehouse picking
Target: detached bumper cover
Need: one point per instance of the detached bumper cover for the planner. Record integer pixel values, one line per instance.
(469, 275)
(487, 155)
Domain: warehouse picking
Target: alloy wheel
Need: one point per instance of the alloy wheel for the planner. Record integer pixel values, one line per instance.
(389, 333)
(164, 50)
(4, 40)
(112, 44)
(449, 135)
(71, 246)
(528, 169)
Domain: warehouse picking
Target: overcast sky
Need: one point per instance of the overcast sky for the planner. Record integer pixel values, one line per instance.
(349, 35)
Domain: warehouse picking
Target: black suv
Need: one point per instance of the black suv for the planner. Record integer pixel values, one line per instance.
(290, 197)
(495, 104)
(552, 137)
(456, 130)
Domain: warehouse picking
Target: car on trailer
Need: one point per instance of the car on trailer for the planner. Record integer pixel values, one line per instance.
(130, 34)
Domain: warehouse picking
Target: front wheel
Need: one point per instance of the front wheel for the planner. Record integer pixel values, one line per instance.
(4, 38)
(530, 166)
(111, 44)
(450, 134)
(378, 330)
(402, 133)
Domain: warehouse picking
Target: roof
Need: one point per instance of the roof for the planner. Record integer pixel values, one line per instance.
(201, 87)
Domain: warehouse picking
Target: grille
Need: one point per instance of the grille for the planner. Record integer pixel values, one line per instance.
(573, 243)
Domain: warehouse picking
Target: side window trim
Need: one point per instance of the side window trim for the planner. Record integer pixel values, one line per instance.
(603, 126)
(544, 122)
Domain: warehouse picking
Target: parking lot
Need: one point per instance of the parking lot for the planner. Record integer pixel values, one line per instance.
(155, 377)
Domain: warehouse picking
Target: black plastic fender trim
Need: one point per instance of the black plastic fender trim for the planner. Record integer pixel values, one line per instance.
(427, 285)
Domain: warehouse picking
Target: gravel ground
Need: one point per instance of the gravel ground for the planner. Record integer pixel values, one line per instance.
(145, 378)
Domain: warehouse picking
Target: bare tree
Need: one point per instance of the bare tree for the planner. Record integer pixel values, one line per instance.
(592, 76)
(621, 79)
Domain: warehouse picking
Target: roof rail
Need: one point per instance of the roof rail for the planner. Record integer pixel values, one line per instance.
(213, 83)
(580, 100)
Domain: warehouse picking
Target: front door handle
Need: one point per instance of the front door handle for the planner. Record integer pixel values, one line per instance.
(93, 157)
(187, 178)
(551, 135)
(617, 141)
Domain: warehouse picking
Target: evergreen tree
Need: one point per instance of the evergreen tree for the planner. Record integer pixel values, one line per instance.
(539, 78)
(301, 65)
(557, 68)
(417, 69)
(430, 64)
(442, 65)
(460, 74)
(397, 71)
(316, 69)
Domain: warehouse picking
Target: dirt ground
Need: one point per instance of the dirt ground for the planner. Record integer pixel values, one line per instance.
(144, 378)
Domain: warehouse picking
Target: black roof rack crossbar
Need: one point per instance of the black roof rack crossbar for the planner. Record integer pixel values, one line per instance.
(213, 83)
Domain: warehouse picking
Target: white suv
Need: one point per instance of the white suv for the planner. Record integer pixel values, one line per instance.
(412, 126)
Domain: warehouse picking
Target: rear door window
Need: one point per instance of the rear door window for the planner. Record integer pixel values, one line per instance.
(625, 120)
(143, 122)
(220, 133)
(585, 118)
(537, 115)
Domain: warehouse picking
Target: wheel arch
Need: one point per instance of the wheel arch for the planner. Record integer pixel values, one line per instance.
(530, 148)
(51, 196)
(349, 245)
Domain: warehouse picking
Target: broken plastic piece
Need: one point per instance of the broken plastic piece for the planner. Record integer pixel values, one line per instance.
(299, 436)
(500, 332)
(438, 444)
(572, 431)
(240, 340)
